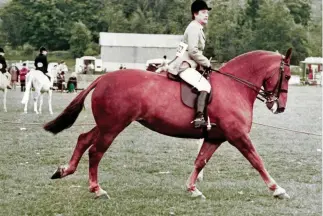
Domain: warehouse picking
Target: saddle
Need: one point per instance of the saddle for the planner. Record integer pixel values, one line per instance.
(189, 94)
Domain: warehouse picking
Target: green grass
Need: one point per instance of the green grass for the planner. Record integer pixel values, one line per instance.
(130, 169)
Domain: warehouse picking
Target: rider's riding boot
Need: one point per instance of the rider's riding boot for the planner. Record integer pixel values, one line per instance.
(200, 106)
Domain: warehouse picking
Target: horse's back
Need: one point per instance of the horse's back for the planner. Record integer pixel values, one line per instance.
(39, 79)
(135, 84)
(128, 78)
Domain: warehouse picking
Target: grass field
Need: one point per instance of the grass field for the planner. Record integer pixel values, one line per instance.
(130, 169)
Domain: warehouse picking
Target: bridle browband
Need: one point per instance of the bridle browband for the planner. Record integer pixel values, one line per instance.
(266, 95)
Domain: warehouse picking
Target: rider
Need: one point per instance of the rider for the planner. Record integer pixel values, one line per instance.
(41, 61)
(3, 64)
(192, 58)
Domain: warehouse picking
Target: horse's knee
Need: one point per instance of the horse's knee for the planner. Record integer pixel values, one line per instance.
(200, 163)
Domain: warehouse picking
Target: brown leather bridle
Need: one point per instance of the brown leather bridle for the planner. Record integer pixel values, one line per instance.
(267, 96)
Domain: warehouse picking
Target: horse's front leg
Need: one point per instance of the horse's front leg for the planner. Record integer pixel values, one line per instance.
(245, 146)
(206, 152)
(200, 143)
(5, 100)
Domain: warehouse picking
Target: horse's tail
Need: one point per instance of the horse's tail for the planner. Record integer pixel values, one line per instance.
(28, 87)
(67, 118)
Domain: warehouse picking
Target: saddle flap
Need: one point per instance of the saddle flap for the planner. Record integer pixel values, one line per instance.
(189, 95)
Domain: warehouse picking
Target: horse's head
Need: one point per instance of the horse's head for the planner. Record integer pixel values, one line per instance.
(276, 85)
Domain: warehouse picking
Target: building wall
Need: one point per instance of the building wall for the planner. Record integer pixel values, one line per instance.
(132, 57)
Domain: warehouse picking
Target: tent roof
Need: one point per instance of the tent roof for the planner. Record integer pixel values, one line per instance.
(313, 60)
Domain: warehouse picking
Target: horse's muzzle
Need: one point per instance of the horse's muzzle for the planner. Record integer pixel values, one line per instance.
(280, 110)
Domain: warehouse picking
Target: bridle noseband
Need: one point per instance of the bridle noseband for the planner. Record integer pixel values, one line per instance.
(267, 96)
(273, 95)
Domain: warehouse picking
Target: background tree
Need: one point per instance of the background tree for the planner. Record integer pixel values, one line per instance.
(235, 26)
(80, 39)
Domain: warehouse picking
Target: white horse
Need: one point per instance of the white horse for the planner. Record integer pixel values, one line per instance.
(4, 83)
(41, 85)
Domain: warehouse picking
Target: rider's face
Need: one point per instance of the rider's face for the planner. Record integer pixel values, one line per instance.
(202, 16)
(45, 52)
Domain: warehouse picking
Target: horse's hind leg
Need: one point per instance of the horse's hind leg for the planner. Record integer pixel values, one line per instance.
(26, 107)
(96, 153)
(84, 141)
(206, 152)
(36, 96)
(50, 94)
(5, 91)
(41, 100)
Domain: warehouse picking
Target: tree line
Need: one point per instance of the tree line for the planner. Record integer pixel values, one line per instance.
(235, 27)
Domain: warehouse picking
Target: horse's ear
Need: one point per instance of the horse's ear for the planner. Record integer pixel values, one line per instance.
(288, 55)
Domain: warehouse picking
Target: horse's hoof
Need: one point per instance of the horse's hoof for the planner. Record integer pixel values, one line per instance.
(5, 110)
(280, 193)
(101, 194)
(197, 194)
(58, 173)
(282, 196)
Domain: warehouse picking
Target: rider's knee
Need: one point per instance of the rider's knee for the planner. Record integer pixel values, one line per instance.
(184, 66)
(204, 87)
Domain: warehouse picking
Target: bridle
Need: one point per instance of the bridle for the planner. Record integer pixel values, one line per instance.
(267, 96)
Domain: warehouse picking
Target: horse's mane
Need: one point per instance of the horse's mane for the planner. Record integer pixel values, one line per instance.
(248, 59)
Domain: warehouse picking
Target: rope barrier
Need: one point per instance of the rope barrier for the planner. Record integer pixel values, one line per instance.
(87, 124)
(21, 123)
(286, 129)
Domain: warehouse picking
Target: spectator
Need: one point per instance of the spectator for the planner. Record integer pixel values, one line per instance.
(72, 83)
(22, 77)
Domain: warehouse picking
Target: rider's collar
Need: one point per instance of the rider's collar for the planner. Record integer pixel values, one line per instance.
(198, 24)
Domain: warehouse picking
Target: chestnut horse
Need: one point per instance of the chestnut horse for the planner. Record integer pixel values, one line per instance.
(122, 97)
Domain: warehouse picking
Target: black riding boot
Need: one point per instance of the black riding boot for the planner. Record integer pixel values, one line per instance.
(200, 106)
(47, 76)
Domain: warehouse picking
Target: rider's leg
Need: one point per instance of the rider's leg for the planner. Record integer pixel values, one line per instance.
(200, 106)
(47, 75)
(194, 78)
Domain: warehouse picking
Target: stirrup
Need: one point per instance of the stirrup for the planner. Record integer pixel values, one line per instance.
(199, 122)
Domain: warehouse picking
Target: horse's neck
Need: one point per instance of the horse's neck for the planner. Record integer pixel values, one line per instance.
(251, 68)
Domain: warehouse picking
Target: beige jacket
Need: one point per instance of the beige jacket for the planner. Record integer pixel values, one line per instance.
(195, 39)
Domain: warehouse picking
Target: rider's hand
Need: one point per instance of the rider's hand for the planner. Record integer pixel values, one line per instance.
(208, 68)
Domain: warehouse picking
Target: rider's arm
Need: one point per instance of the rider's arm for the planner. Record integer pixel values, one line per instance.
(36, 61)
(45, 63)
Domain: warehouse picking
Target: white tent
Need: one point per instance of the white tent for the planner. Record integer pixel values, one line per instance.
(313, 60)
